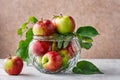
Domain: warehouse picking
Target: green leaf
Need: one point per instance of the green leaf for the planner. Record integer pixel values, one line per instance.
(22, 52)
(19, 31)
(86, 45)
(66, 41)
(22, 43)
(65, 44)
(29, 34)
(87, 31)
(76, 70)
(24, 26)
(86, 67)
(60, 41)
(85, 42)
(87, 39)
(32, 19)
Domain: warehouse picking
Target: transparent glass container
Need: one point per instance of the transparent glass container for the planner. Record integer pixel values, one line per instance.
(67, 48)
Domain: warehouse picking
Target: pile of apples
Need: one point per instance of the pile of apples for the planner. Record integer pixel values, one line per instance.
(47, 54)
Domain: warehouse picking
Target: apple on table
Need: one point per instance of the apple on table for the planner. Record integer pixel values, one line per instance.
(13, 65)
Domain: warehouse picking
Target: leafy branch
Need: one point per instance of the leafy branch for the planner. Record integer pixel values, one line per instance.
(22, 50)
(85, 35)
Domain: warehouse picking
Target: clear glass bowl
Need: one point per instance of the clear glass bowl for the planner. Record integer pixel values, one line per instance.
(66, 47)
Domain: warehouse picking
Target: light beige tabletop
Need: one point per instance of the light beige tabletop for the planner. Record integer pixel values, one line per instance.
(110, 67)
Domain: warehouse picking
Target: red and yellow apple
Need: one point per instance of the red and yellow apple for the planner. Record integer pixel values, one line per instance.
(13, 65)
(43, 28)
(52, 61)
(64, 24)
(39, 48)
(65, 56)
(71, 50)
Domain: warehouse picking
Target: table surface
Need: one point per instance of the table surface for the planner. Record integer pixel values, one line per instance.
(110, 68)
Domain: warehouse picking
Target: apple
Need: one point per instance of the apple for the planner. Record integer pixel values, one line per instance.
(71, 50)
(64, 24)
(52, 61)
(43, 28)
(65, 56)
(54, 46)
(13, 65)
(39, 48)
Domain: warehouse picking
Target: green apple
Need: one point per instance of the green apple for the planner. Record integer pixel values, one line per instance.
(64, 24)
(65, 56)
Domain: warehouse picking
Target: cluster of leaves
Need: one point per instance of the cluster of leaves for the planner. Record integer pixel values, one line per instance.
(84, 35)
(22, 50)
(63, 40)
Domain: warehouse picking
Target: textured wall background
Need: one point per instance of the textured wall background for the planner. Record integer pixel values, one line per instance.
(103, 14)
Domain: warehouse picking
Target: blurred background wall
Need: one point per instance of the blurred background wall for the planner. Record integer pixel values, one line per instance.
(104, 15)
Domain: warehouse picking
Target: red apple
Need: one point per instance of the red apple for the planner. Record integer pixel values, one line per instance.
(52, 61)
(64, 24)
(71, 50)
(39, 48)
(13, 65)
(43, 28)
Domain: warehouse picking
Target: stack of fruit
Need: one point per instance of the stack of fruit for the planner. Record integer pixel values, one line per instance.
(52, 46)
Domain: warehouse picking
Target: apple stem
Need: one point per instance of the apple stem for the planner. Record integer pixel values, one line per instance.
(61, 15)
(10, 56)
(41, 19)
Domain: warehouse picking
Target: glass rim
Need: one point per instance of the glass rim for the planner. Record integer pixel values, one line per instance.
(54, 38)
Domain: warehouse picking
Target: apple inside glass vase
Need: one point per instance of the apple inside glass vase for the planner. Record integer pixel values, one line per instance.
(54, 54)
(54, 47)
